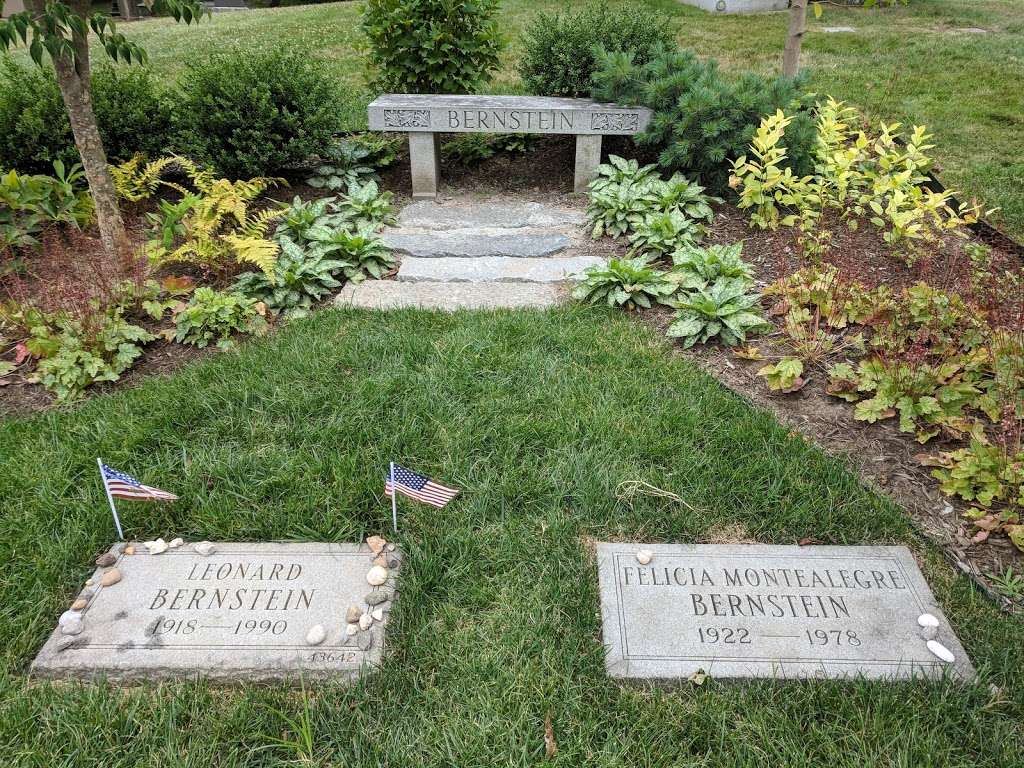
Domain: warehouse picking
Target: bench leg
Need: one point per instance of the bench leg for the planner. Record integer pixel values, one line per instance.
(588, 157)
(424, 151)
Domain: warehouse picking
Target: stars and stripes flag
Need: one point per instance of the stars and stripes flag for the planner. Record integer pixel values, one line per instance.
(417, 486)
(122, 486)
(118, 485)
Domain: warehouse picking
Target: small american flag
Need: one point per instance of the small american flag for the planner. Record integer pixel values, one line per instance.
(419, 487)
(123, 486)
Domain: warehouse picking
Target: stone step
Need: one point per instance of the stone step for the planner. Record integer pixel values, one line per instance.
(468, 243)
(449, 297)
(496, 269)
(462, 214)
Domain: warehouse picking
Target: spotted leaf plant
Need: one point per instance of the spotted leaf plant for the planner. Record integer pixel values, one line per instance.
(726, 310)
(629, 283)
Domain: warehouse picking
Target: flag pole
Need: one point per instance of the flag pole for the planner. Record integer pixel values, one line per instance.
(113, 509)
(394, 500)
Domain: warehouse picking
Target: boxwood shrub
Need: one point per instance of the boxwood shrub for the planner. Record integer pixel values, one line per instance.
(255, 113)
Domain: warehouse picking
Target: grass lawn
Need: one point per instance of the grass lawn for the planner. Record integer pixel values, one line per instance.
(538, 417)
(907, 64)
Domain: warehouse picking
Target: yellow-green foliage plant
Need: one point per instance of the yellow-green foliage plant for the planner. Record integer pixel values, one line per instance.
(859, 175)
(214, 225)
(136, 180)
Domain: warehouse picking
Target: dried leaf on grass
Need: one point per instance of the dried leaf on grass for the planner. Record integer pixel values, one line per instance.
(550, 745)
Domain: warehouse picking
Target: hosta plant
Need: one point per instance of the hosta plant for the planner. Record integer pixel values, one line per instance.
(726, 310)
(697, 267)
(366, 204)
(212, 316)
(301, 276)
(361, 248)
(344, 163)
(663, 232)
(628, 283)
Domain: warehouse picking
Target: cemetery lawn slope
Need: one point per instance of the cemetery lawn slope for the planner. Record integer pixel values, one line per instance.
(953, 65)
(539, 417)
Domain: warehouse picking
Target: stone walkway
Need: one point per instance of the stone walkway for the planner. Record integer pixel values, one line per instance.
(463, 254)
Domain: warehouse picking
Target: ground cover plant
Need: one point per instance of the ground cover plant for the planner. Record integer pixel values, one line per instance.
(524, 412)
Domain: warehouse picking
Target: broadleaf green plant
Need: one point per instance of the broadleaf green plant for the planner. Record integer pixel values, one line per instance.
(628, 283)
(726, 310)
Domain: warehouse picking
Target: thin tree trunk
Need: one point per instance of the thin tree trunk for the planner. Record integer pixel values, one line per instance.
(794, 37)
(73, 78)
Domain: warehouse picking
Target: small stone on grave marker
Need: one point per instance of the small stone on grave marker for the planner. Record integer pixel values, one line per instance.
(748, 611)
(257, 611)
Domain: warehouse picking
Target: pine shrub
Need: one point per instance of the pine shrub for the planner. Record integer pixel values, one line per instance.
(702, 118)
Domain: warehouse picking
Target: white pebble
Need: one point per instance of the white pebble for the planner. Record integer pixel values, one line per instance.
(70, 623)
(377, 576)
(316, 635)
(155, 547)
(365, 621)
(927, 620)
(378, 614)
(204, 548)
(351, 629)
(644, 556)
(175, 543)
(941, 651)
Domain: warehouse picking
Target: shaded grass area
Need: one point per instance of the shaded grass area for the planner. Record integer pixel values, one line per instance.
(907, 64)
(538, 417)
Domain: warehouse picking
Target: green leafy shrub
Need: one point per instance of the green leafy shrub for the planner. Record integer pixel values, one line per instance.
(212, 316)
(255, 113)
(301, 276)
(301, 217)
(432, 46)
(628, 283)
(702, 119)
(362, 250)
(726, 309)
(558, 56)
(28, 202)
(81, 352)
(132, 111)
(880, 176)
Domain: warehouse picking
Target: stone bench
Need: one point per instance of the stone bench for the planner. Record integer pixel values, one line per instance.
(426, 117)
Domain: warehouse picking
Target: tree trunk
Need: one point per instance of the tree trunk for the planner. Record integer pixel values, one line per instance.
(794, 37)
(73, 78)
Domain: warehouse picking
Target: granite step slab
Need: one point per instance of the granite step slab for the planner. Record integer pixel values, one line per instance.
(497, 269)
(463, 214)
(471, 243)
(448, 297)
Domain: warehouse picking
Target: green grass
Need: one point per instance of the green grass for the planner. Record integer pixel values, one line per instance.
(538, 417)
(904, 64)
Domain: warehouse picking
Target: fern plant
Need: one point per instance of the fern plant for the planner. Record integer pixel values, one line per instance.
(218, 227)
(628, 283)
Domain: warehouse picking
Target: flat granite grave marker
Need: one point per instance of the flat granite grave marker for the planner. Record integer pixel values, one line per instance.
(741, 611)
(241, 611)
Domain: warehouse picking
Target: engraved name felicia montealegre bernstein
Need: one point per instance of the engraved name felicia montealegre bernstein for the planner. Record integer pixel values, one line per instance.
(513, 120)
(769, 604)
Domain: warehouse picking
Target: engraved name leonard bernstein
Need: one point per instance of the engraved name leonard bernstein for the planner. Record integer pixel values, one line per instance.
(284, 598)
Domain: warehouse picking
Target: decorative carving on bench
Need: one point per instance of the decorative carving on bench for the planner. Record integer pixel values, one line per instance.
(614, 121)
(407, 118)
